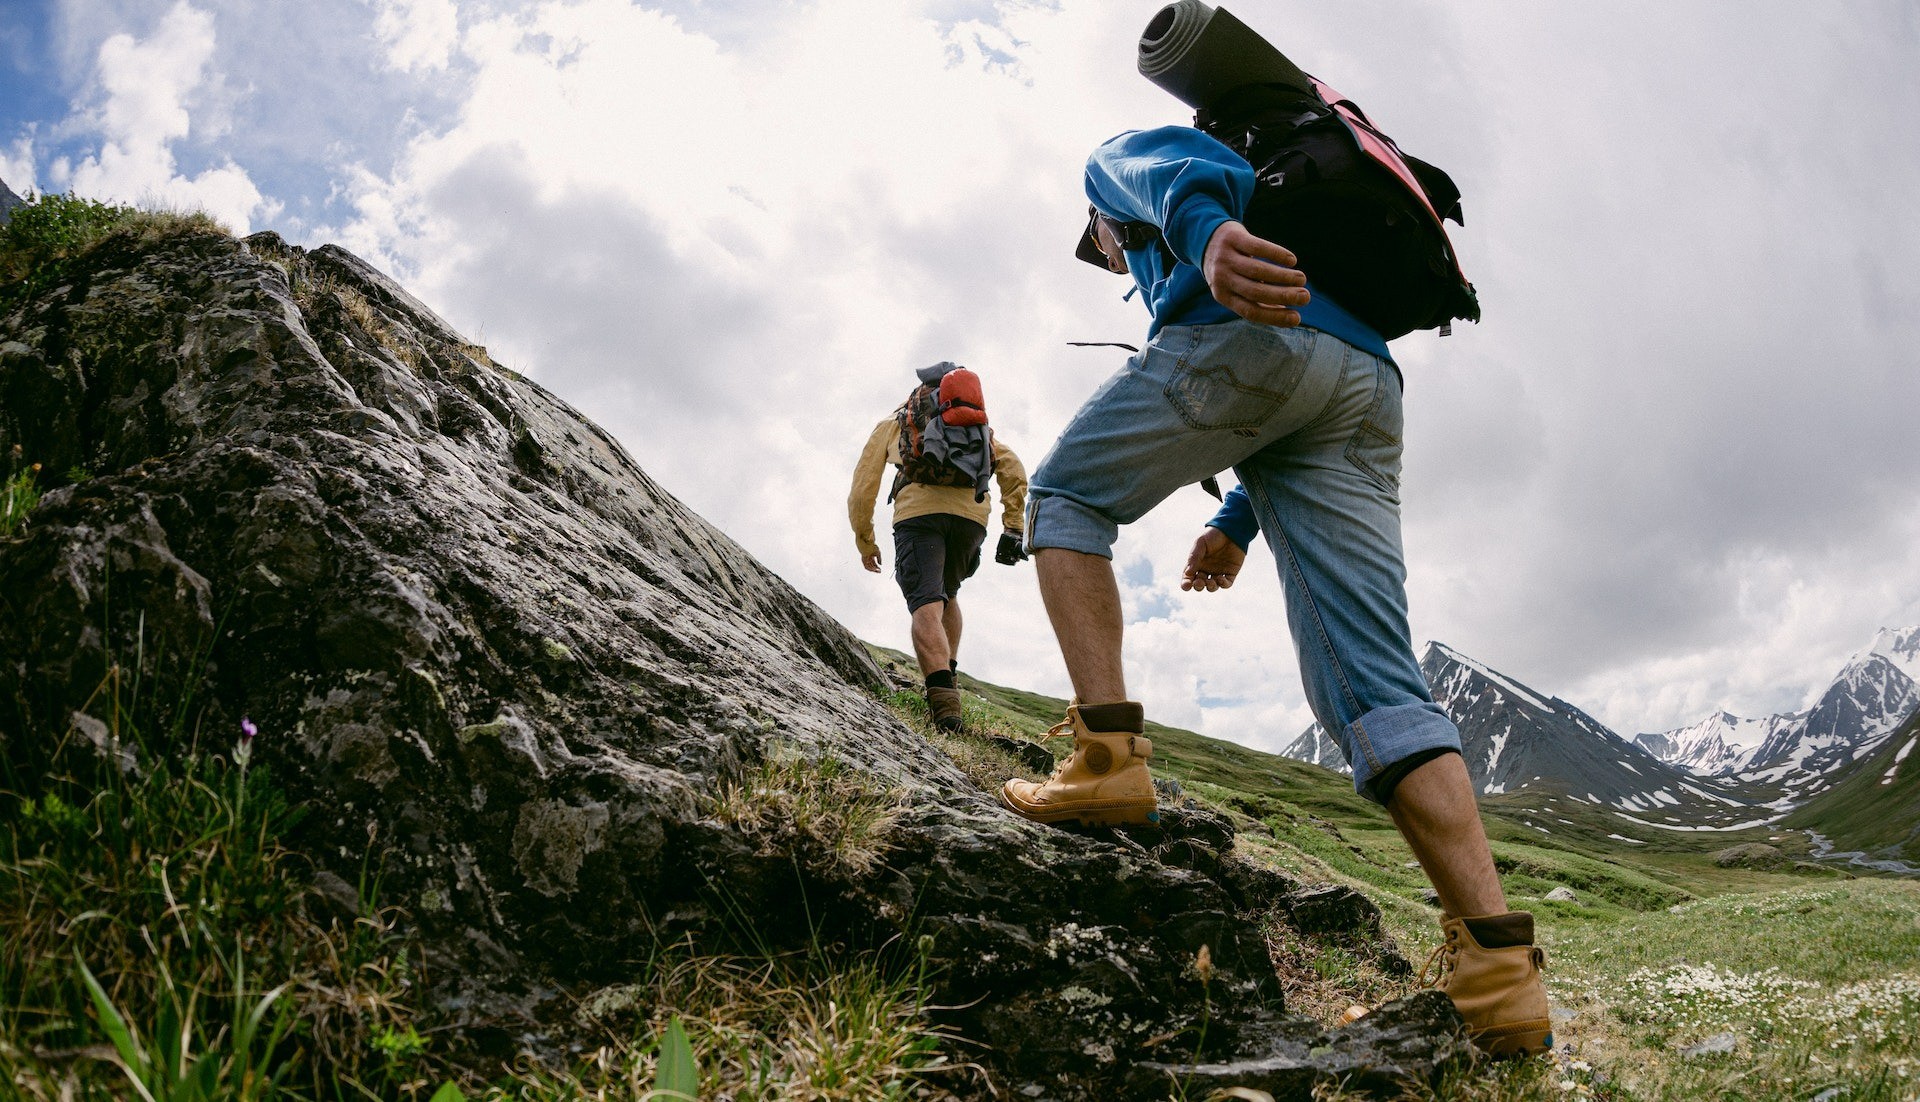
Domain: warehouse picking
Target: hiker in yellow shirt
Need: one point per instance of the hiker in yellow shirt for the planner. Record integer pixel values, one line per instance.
(946, 455)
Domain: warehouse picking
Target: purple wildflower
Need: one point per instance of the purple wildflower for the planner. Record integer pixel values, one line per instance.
(244, 751)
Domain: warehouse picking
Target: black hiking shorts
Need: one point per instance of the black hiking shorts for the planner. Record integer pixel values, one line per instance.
(933, 554)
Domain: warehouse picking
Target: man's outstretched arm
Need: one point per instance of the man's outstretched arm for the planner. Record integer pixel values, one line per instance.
(867, 474)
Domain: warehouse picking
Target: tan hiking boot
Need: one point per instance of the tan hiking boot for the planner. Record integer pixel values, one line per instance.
(946, 708)
(1498, 991)
(1103, 782)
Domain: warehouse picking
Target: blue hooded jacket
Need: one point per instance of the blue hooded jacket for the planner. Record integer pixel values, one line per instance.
(1187, 184)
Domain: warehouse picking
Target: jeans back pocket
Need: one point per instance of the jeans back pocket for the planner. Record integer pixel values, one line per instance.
(1237, 376)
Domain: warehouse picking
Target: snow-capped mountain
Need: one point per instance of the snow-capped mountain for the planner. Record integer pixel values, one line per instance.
(1900, 646)
(1314, 746)
(1807, 752)
(1721, 743)
(1514, 737)
(1815, 749)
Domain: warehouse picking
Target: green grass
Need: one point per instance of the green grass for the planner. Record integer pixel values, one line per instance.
(157, 938)
(50, 229)
(1817, 975)
(18, 494)
(1878, 808)
(832, 817)
(773, 1028)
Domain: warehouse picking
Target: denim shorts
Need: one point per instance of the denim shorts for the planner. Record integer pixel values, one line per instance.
(1312, 427)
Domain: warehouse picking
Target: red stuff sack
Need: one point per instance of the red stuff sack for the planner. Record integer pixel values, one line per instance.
(961, 402)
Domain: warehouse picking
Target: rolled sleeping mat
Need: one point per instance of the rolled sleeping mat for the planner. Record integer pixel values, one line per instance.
(1199, 53)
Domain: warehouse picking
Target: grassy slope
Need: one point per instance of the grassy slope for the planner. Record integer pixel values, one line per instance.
(1815, 976)
(1873, 810)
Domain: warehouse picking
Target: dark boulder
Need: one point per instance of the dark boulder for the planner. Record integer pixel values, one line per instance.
(478, 638)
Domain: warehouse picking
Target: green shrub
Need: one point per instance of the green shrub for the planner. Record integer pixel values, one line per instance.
(18, 494)
(48, 229)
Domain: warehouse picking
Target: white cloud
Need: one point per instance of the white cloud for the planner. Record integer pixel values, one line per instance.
(1665, 476)
(146, 88)
(418, 34)
(17, 165)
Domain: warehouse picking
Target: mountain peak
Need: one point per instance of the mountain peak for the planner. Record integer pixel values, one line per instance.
(1900, 646)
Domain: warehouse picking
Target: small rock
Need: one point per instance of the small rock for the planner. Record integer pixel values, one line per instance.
(336, 896)
(1430, 896)
(1831, 1094)
(1332, 909)
(1411, 865)
(1028, 753)
(1562, 894)
(1717, 1045)
(1675, 909)
(1561, 1014)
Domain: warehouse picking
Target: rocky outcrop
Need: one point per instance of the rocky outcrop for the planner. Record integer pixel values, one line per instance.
(480, 642)
(8, 201)
(1752, 855)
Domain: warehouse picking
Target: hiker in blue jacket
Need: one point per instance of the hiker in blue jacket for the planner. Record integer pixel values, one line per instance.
(1248, 367)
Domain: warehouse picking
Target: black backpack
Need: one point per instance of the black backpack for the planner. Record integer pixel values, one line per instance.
(1364, 219)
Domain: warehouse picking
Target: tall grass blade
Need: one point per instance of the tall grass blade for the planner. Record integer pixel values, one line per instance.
(133, 1059)
(677, 1077)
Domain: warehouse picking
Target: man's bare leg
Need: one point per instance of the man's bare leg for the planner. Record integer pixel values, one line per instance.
(1083, 602)
(950, 620)
(1106, 779)
(1435, 809)
(930, 637)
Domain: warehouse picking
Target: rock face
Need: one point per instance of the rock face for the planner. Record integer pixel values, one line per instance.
(8, 201)
(482, 643)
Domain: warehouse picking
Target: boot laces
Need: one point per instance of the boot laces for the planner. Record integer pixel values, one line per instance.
(1446, 955)
(1062, 729)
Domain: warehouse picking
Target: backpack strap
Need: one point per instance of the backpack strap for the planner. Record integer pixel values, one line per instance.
(903, 417)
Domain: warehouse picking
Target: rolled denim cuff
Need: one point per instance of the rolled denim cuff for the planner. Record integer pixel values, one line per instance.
(1386, 735)
(1054, 521)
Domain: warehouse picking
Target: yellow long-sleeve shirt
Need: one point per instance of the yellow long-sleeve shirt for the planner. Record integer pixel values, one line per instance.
(917, 500)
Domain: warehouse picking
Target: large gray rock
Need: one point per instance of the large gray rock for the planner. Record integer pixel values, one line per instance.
(478, 638)
(8, 201)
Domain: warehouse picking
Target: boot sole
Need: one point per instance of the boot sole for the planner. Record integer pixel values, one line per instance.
(1527, 1039)
(1103, 813)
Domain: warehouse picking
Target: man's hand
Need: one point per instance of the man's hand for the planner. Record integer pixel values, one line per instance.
(1253, 277)
(1012, 549)
(1214, 563)
(871, 561)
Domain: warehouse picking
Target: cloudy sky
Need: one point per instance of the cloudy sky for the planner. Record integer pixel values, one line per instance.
(1676, 469)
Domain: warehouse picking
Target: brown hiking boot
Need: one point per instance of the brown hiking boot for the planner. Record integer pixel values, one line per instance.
(1497, 990)
(945, 707)
(1104, 780)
